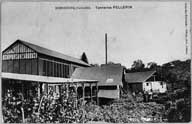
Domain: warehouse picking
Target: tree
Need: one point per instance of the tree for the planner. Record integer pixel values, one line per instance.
(110, 62)
(152, 65)
(177, 72)
(84, 57)
(138, 65)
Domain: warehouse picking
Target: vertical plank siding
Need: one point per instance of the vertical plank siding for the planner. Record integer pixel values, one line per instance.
(19, 58)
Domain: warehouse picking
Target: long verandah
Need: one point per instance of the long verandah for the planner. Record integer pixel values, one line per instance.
(25, 95)
(39, 85)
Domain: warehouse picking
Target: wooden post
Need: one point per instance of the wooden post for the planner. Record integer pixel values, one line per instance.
(67, 90)
(39, 92)
(105, 48)
(76, 93)
(47, 88)
(118, 89)
(22, 95)
(83, 86)
(91, 93)
(97, 94)
(37, 64)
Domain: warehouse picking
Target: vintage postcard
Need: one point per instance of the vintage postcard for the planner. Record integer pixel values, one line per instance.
(96, 62)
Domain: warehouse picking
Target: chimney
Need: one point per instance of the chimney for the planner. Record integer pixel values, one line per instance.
(105, 48)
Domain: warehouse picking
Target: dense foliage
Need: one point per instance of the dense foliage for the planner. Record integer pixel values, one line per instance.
(176, 73)
(65, 109)
(171, 107)
(125, 112)
(177, 105)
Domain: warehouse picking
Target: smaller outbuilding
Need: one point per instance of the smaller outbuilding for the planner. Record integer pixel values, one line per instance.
(145, 82)
(109, 77)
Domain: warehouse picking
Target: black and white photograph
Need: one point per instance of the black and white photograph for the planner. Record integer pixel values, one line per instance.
(96, 62)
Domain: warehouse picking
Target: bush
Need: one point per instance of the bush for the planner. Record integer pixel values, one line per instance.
(127, 112)
(46, 110)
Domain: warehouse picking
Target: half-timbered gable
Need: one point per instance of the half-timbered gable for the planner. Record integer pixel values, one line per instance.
(19, 58)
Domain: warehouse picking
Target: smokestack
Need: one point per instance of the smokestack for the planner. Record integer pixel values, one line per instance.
(105, 48)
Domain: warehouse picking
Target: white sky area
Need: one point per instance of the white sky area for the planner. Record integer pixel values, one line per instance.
(150, 31)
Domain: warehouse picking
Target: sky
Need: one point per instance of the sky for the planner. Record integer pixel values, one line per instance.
(150, 31)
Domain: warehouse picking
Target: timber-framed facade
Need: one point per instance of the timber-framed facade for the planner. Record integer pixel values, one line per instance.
(38, 70)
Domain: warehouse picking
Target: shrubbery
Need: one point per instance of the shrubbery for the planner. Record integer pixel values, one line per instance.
(126, 112)
(66, 109)
(45, 110)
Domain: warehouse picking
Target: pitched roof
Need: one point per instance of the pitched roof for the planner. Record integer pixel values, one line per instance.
(137, 77)
(52, 53)
(45, 79)
(110, 74)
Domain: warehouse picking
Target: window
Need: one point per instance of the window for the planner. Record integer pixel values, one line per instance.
(22, 66)
(62, 75)
(162, 84)
(16, 66)
(51, 69)
(58, 70)
(55, 69)
(44, 66)
(147, 84)
(109, 80)
(4, 65)
(28, 66)
(66, 71)
(34, 66)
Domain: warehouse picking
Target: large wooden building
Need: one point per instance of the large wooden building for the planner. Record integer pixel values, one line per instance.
(33, 69)
(26, 58)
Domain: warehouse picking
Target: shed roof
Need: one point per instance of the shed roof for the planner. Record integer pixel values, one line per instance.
(110, 74)
(45, 79)
(51, 53)
(137, 77)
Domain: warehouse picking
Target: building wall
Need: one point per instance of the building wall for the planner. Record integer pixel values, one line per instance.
(113, 92)
(22, 59)
(20, 66)
(49, 66)
(136, 87)
(156, 86)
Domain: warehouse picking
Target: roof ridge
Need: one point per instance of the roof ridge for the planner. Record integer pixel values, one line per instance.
(142, 71)
(60, 55)
(47, 48)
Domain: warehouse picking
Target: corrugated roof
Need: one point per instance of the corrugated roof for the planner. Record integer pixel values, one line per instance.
(136, 77)
(45, 79)
(110, 74)
(52, 53)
